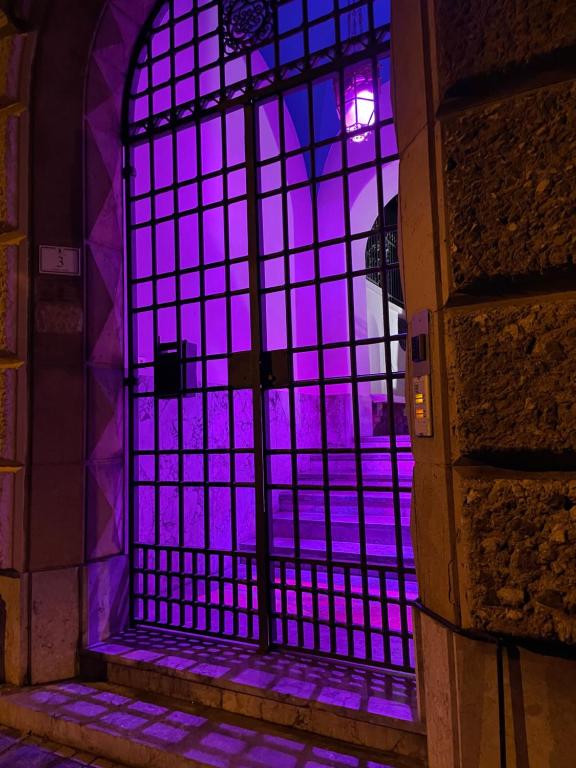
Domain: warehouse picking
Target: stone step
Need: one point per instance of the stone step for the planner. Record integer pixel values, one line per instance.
(375, 468)
(346, 552)
(343, 506)
(21, 750)
(402, 441)
(340, 530)
(344, 500)
(349, 479)
(341, 511)
(125, 726)
(367, 457)
(367, 708)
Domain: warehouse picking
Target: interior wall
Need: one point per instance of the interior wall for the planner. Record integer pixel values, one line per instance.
(485, 121)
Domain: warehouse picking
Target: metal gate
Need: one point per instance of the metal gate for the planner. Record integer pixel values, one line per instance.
(270, 458)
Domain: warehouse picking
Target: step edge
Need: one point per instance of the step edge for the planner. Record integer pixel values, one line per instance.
(83, 737)
(400, 743)
(413, 727)
(108, 745)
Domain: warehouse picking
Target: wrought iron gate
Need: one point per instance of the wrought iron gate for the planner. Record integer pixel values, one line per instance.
(270, 458)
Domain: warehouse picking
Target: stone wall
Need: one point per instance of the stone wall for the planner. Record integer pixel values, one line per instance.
(510, 194)
(483, 37)
(519, 538)
(486, 119)
(63, 566)
(512, 377)
(15, 52)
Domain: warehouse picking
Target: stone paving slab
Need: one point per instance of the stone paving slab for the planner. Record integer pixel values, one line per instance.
(17, 750)
(149, 731)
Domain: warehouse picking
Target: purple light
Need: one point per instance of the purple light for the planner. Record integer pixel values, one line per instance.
(359, 104)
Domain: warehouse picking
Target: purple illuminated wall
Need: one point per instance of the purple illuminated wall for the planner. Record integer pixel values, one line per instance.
(300, 196)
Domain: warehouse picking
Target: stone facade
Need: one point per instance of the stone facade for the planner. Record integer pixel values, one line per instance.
(64, 559)
(510, 196)
(487, 204)
(481, 37)
(502, 361)
(519, 540)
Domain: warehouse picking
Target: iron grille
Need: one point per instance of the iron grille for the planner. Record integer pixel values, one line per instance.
(271, 488)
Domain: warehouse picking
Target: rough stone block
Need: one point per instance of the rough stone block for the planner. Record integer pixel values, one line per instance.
(476, 37)
(8, 384)
(518, 547)
(512, 377)
(8, 299)
(55, 624)
(509, 185)
(10, 52)
(6, 520)
(8, 174)
(14, 618)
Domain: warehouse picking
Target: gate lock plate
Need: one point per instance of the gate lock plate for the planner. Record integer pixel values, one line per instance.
(270, 369)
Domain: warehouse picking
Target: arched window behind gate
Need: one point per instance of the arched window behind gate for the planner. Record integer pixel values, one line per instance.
(271, 462)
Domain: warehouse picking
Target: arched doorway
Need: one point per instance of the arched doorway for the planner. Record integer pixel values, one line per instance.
(270, 468)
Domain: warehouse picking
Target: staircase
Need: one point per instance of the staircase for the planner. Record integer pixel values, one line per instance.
(165, 700)
(344, 512)
(144, 731)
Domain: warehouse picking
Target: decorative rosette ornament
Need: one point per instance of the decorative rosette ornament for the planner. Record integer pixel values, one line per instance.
(247, 23)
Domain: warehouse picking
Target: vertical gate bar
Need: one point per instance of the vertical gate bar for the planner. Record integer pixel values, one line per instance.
(155, 341)
(291, 387)
(203, 334)
(322, 381)
(315, 600)
(355, 392)
(129, 392)
(389, 380)
(262, 523)
(230, 392)
(349, 609)
(278, 567)
(179, 343)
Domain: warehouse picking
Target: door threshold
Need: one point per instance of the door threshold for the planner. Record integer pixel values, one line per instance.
(323, 695)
